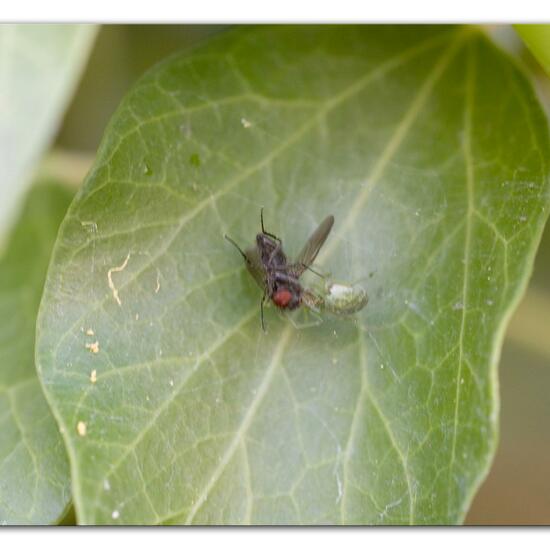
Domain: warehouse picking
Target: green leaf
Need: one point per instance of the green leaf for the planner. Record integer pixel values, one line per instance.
(39, 68)
(431, 151)
(537, 38)
(34, 471)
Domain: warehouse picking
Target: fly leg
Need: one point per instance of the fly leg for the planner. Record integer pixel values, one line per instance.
(262, 312)
(228, 238)
(308, 267)
(276, 250)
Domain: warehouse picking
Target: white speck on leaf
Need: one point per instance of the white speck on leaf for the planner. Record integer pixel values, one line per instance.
(90, 332)
(158, 282)
(458, 306)
(115, 514)
(246, 123)
(93, 376)
(81, 428)
(106, 485)
(93, 347)
(110, 278)
(340, 487)
(91, 226)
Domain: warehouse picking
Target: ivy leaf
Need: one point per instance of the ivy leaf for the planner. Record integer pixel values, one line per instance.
(537, 38)
(39, 69)
(34, 470)
(429, 148)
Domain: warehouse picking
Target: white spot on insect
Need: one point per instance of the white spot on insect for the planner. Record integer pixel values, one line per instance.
(110, 278)
(93, 377)
(93, 347)
(81, 428)
(246, 123)
(115, 514)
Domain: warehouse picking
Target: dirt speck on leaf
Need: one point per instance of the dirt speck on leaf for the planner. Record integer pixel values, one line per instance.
(93, 347)
(110, 278)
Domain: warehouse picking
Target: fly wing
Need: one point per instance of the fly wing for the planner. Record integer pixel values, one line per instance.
(313, 245)
(254, 266)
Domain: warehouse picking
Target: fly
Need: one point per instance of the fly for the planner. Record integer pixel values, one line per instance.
(270, 268)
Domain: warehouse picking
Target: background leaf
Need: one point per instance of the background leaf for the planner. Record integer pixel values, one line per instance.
(34, 471)
(537, 38)
(39, 68)
(428, 146)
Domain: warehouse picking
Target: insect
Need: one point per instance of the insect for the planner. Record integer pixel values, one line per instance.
(269, 266)
(338, 298)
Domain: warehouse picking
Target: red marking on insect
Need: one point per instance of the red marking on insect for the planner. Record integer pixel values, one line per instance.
(282, 297)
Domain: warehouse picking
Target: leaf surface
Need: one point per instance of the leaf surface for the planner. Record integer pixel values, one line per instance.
(39, 68)
(34, 470)
(431, 151)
